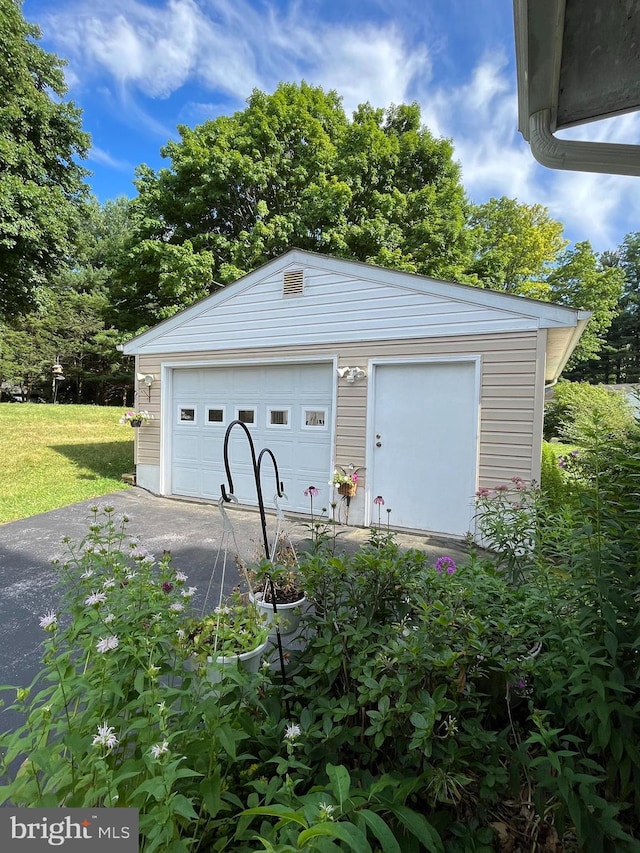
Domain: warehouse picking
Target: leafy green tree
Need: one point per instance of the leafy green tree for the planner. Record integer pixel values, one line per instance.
(516, 246)
(290, 171)
(41, 184)
(620, 358)
(71, 321)
(582, 281)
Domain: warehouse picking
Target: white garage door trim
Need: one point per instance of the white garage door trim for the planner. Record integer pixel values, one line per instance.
(167, 412)
(374, 443)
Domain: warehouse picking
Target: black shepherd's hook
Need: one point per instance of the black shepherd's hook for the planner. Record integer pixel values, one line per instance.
(256, 463)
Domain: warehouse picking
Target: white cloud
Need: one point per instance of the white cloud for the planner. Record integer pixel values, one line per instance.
(151, 49)
(103, 158)
(233, 47)
(480, 115)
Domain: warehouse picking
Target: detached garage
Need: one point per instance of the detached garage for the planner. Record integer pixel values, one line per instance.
(429, 389)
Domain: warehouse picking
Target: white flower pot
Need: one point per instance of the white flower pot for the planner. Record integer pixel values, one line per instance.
(288, 614)
(248, 661)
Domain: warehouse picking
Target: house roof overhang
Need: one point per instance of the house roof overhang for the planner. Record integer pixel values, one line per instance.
(577, 61)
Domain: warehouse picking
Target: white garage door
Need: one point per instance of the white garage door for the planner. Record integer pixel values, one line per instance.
(286, 408)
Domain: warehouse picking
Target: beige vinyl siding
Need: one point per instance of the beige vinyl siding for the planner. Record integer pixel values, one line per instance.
(510, 418)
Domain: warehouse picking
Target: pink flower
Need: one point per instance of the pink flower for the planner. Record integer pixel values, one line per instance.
(354, 477)
(482, 493)
(311, 492)
(445, 564)
(379, 500)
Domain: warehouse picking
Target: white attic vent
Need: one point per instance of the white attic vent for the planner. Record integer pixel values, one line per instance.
(293, 283)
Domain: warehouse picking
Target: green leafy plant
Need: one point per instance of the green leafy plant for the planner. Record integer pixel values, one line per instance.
(235, 627)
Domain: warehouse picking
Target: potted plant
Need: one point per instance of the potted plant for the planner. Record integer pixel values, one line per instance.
(347, 483)
(235, 634)
(279, 584)
(135, 419)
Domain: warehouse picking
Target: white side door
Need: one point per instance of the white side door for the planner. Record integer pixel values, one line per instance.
(423, 443)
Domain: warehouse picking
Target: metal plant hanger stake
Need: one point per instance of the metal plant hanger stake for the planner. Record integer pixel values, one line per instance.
(229, 496)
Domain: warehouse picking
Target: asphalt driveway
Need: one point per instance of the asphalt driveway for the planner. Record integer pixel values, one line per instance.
(193, 532)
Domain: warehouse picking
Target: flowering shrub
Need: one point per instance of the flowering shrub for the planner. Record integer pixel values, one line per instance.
(136, 417)
(506, 518)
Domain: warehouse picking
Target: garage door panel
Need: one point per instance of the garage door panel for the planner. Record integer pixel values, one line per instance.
(187, 477)
(185, 447)
(282, 397)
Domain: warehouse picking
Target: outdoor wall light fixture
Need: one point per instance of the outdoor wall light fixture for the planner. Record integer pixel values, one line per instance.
(148, 379)
(351, 374)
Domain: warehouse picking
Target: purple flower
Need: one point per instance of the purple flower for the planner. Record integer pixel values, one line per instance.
(379, 500)
(561, 462)
(445, 564)
(167, 587)
(483, 492)
(311, 492)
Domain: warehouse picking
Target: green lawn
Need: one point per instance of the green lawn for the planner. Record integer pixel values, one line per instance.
(53, 456)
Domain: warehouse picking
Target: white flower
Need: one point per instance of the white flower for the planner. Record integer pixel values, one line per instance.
(109, 618)
(326, 811)
(140, 553)
(105, 644)
(187, 593)
(109, 583)
(222, 611)
(129, 576)
(180, 634)
(49, 620)
(176, 607)
(95, 598)
(87, 573)
(180, 577)
(159, 749)
(106, 737)
(292, 731)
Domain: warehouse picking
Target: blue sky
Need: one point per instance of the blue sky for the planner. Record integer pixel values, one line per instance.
(138, 68)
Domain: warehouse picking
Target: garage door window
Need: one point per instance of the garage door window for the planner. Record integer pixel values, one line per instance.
(215, 415)
(279, 418)
(314, 419)
(246, 415)
(187, 414)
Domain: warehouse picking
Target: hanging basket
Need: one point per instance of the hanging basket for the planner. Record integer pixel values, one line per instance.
(348, 490)
(136, 423)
